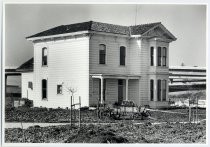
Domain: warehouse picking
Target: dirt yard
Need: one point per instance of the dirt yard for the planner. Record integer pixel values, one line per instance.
(111, 133)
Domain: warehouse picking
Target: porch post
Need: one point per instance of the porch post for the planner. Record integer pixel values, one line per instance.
(126, 89)
(102, 84)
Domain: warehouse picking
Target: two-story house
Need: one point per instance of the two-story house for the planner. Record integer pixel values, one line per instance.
(101, 61)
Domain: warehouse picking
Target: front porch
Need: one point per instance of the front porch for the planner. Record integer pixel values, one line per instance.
(109, 88)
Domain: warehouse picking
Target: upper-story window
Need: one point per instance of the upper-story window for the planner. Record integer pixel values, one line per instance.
(102, 54)
(44, 56)
(152, 56)
(159, 56)
(122, 55)
(164, 53)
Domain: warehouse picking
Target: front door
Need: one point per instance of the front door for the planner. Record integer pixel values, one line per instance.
(120, 91)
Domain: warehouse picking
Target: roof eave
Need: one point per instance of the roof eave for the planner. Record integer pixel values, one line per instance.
(55, 36)
(25, 70)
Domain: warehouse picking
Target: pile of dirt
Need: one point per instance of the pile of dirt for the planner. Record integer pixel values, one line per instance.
(94, 134)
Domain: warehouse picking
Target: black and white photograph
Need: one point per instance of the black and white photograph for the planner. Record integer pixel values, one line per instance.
(104, 73)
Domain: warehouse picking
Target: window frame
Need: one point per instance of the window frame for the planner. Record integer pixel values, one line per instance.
(151, 56)
(151, 90)
(30, 85)
(164, 56)
(44, 89)
(159, 57)
(102, 53)
(164, 90)
(122, 56)
(59, 91)
(44, 61)
(159, 90)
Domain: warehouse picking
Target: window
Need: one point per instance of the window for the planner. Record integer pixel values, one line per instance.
(164, 90)
(59, 89)
(102, 54)
(30, 85)
(159, 90)
(159, 56)
(122, 55)
(152, 56)
(164, 56)
(44, 89)
(151, 90)
(44, 56)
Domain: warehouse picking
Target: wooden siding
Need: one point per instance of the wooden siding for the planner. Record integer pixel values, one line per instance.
(144, 86)
(68, 64)
(112, 65)
(111, 91)
(27, 92)
(133, 91)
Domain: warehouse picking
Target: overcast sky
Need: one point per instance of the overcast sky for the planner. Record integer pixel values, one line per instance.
(186, 22)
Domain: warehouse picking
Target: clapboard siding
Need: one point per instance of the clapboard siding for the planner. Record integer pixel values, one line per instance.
(112, 65)
(144, 72)
(27, 92)
(111, 94)
(135, 56)
(68, 64)
(133, 91)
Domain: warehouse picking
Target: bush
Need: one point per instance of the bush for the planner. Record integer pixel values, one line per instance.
(28, 103)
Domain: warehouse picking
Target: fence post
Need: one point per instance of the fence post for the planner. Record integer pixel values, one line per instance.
(189, 113)
(71, 112)
(79, 111)
(197, 110)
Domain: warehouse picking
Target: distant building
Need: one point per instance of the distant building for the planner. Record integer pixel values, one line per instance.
(101, 61)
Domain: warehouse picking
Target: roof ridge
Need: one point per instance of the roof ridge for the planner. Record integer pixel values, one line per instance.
(146, 24)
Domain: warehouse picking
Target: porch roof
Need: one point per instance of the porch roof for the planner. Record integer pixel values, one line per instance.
(115, 76)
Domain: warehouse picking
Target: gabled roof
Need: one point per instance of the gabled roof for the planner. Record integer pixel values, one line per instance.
(28, 66)
(141, 29)
(98, 27)
(84, 26)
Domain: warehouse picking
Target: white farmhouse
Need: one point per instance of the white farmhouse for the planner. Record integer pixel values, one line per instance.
(101, 61)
